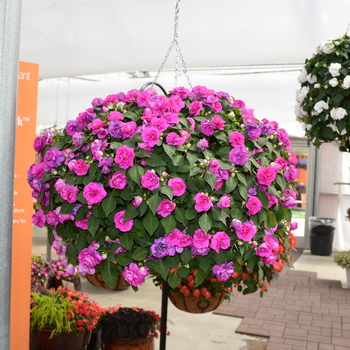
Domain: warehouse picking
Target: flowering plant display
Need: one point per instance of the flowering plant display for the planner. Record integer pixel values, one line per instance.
(343, 259)
(323, 101)
(58, 270)
(63, 310)
(39, 272)
(129, 323)
(143, 183)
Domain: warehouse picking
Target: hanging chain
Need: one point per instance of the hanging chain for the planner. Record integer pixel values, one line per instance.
(178, 52)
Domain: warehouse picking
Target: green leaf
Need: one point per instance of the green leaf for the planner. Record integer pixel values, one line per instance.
(162, 268)
(127, 194)
(169, 150)
(242, 179)
(230, 184)
(218, 215)
(280, 212)
(249, 254)
(243, 191)
(155, 161)
(81, 240)
(263, 198)
(271, 219)
(184, 272)
(154, 202)
(174, 280)
(200, 275)
(93, 224)
(236, 213)
(190, 214)
(130, 213)
(92, 171)
(191, 157)
(168, 223)
(109, 204)
(126, 241)
(81, 213)
(186, 255)
(281, 181)
(195, 170)
(109, 275)
(261, 274)
(136, 172)
(210, 178)
(168, 191)
(204, 263)
(178, 159)
(66, 208)
(180, 215)
(205, 222)
(139, 254)
(151, 223)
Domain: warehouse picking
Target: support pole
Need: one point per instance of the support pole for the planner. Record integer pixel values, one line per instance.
(164, 316)
(10, 16)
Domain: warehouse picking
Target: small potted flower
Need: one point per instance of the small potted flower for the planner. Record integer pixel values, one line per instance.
(59, 276)
(129, 328)
(343, 260)
(62, 318)
(39, 272)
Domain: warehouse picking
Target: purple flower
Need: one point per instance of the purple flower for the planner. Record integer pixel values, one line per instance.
(73, 126)
(207, 127)
(199, 251)
(159, 248)
(89, 257)
(39, 219)
(223, 271)
(114, 129)
(253, 131)
(202, 144)
(53, 157)
(239, 155)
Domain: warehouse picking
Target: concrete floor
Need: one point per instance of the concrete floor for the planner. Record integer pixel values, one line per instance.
(192, 331)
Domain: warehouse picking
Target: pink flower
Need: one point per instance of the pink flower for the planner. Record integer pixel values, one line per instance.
(254, 205)
(178, 185)
(134, 275)
(293, 225)
(128, 129)
(279, 164)
(83, 224)
(136, 202)
(266, 175)
(174, 139)
(236, 139)
(218, 122)
(220, 240)
(125, 157)
(174, 237)
(69, 193)
(165, 208)
(150, 180)
(39, 219)
(159, 123)
(94, 192)
(201, 239)
(124, 226)
(207, 127)
(185, 134)
(203, 202)
(118, 181)
(60, 183)
(192, 122)
(291, 174)
(239, 155)
(238, 104)
(218, 184)
(264, 249)
(195, 108)
(202, 144)
(150, 136)
(89, 257)
(292, 157)
(246, 231)
(224, 201)
(114, 115)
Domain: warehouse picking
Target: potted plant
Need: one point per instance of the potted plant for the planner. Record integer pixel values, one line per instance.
(343, 260)
(59, 276)
(129, 328)
(323, 101)
(61, 319)
(142, 183)
(39, 272)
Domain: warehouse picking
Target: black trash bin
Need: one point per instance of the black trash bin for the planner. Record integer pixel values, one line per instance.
(322, 235)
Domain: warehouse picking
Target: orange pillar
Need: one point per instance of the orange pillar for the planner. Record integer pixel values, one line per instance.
(23, 206)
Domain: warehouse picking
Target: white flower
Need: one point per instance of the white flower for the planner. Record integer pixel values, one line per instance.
(317, 86)
(301, 94)
(332, 126)
(308, 127)
(302, 76)
(320, 106)
(346, 82)
(327, 47)
(334, 69)
(333, 82)
(311, 78)
(338, 113)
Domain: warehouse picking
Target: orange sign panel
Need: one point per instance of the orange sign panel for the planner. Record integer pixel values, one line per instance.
(23, 205)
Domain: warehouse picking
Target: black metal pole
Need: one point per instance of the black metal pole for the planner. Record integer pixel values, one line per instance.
(164, 316)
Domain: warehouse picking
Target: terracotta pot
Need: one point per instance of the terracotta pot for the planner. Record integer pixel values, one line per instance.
(75, 284)
(194, 305)
(97, 280)
(129, 344)
(40, 340)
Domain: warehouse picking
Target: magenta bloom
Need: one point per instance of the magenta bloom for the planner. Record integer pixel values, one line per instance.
(128, 129)
(246, 231)
(253, 205)
(125, 157)
(218, 122)
(239, 155)
(69, 193)
(39, 219)
(89, 257)
(174, 237)
(202, 144)
(136, 202)
(203, 202)
(291, 174)
(201, 239)
(223, 271)
(83, 224)
(118, 181)
(224, 201)
(135, 275)
(150, 180)
(264, 250)
(266, 175)
(124, 226)
(207, 127)
(221, 240)
(174, 139)
(236, 139)
(94, 192)
(53, 157)
(150, 136)
(165, 208)
(178, 185)
(195, 108)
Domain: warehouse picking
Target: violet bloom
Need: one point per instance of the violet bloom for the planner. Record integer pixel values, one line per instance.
(199, 251)
(202, 144)
(114, 129)
(239, 155)
(53, 157)
(89, 257)
(291, 174)
(159, 248)
(253, 131)
(105, 164)
(73, 126)
(223, 271)
(207, 127)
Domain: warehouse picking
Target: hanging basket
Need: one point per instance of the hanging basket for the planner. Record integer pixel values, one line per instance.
(129, 344)
(195, 305)
(97, 280)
